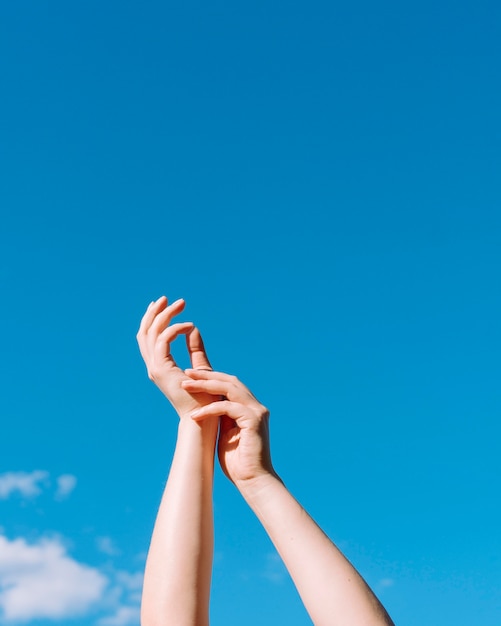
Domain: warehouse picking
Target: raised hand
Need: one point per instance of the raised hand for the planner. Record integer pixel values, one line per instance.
(244, 447)
(154, 337)
(332, 590)
(178, 568)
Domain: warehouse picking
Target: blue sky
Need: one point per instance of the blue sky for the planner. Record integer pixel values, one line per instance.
(320, 182)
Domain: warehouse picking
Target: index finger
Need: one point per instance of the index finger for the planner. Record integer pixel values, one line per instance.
(153, 308)
(200, 374)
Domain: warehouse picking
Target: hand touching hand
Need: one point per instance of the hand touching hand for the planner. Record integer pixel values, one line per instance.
(244, 446)
(154, 337)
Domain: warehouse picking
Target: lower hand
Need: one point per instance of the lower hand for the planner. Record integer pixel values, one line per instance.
(244, 445)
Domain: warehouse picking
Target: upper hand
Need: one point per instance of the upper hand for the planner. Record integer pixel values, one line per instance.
(244, 445)
(154, 337)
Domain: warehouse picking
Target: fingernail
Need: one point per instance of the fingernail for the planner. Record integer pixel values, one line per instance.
(195, 414)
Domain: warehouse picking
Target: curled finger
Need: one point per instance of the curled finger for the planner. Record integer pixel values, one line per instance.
(215, 388)
(198, 374)
(164, 317)
(233, 410)
(170, 333)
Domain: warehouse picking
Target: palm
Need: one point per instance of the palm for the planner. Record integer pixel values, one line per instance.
(240, 451)
(228, 447)
(184, 402)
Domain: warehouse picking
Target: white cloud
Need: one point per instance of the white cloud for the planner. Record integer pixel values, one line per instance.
(65, 485)
(132, 584)
(41, 580)
(123, 616)
(129, 581)
(25, 483)
(30, 484)
(124, 599)
(107, 546)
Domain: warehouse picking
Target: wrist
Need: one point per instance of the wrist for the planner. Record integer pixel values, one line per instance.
(253, 489)
(203, 432)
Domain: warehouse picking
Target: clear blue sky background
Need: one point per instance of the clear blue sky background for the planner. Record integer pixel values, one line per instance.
(320, 182)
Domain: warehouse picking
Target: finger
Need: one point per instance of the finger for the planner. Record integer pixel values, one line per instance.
(148, 317)
(217, 388)
(169, 334)
(196, 350)
(212, 375)
(233, 410)
(152, 310)
(164, 317)
(234, 389)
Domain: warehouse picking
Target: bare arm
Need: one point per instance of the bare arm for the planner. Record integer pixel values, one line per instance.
(179, 564)
(333, 592)
(178, 569)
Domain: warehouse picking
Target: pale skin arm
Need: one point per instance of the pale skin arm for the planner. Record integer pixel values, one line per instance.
(332, 590)
(179, 564)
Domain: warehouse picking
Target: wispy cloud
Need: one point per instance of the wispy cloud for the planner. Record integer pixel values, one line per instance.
(123, 616)
(65, 485)
(107, 546)
(274, 569)
(123, 599)
(40, 580)
(31, 484)
(27, 484)
(131, 582)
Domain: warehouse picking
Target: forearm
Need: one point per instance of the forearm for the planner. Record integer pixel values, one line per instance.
(178, 569)
(332, 591)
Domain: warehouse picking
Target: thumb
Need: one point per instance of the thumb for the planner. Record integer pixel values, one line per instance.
(196, 350)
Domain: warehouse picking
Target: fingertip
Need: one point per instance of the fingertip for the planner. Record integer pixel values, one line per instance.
(160, 303)
(198, 373)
